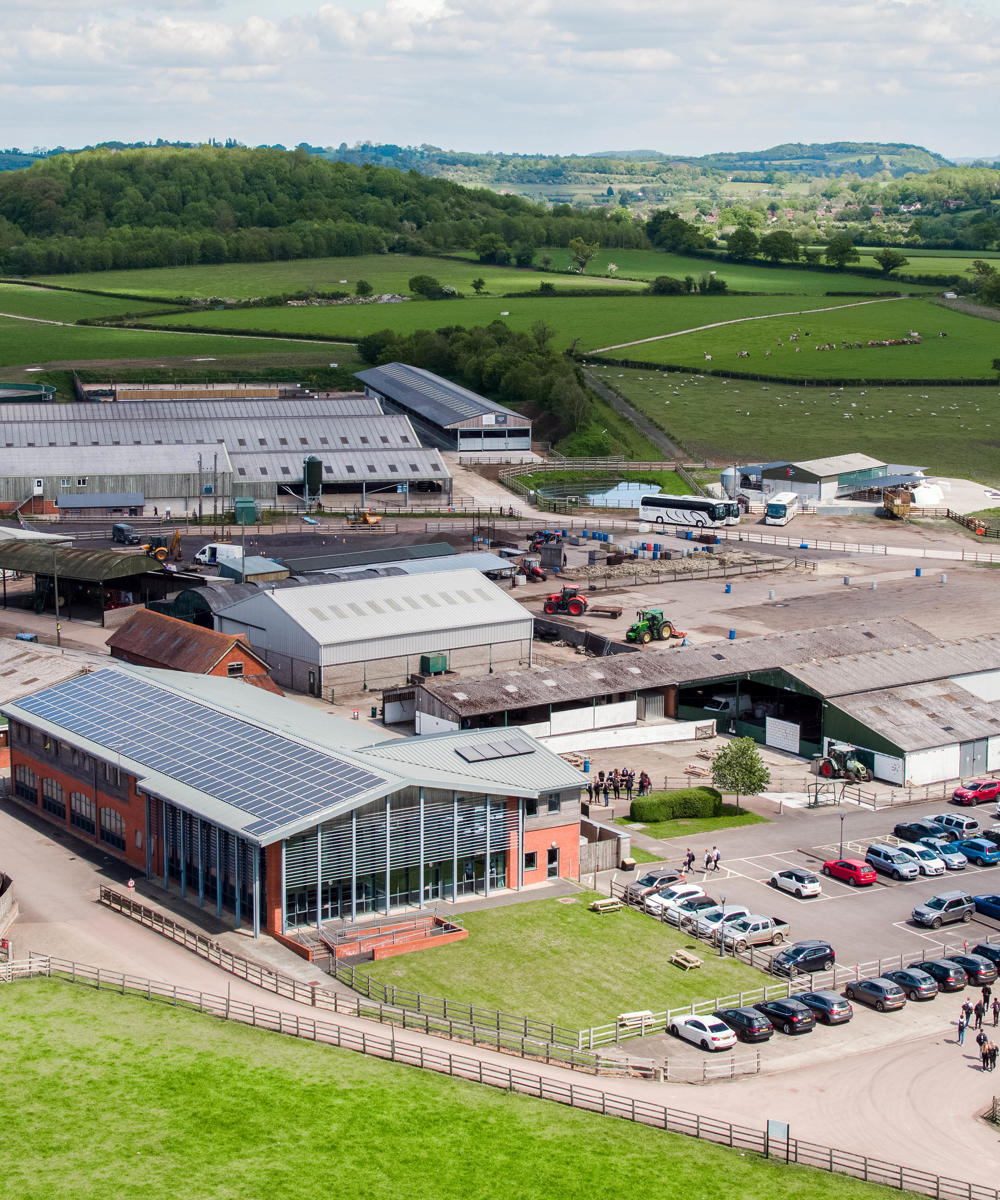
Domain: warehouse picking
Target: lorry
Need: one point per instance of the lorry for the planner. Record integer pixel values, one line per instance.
(754, 930)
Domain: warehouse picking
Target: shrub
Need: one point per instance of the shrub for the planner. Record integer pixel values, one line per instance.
(685, 802)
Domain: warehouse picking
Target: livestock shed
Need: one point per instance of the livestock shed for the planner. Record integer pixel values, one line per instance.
(279, 814)
(373, 633)
(188, 453)
(444, 413)
(824, 478)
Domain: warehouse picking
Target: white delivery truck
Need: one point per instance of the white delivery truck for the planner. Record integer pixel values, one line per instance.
(216, 552)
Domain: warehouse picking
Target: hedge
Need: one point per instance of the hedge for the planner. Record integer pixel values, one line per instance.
(685, 802)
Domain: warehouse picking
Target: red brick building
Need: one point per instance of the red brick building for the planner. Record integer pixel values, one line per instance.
(150, 639)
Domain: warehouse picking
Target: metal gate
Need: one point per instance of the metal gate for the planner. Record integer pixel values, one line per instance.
(972, 758)
(650, 707)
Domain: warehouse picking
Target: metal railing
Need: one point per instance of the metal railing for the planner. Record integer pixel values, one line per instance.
(810, 543)
(575, 1095)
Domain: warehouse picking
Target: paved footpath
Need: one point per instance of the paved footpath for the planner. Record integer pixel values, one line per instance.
(915, 1103)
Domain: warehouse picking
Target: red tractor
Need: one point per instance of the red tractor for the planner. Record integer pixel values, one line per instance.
(569, 600)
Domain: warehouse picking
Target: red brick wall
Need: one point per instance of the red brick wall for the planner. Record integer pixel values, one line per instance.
(567, 838)
(250, 665)
(272, 888)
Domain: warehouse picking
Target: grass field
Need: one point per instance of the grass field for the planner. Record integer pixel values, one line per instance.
(50, 305)
(930, 262)
(951, 431)
(113, 1094)
(966, 352)
(590, 481)
(691, 826)
(522, 958)
(385, 272)
(24, 343)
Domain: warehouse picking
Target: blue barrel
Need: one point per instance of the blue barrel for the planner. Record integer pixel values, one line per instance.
(803, 545)
(586, 766)
(919, 571)
(656, 554)
(564, 533)
(732, 635)
(729, 588)
(690, 535)
(584, 534)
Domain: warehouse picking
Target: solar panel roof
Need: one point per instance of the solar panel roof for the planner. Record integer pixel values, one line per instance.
(268, 776)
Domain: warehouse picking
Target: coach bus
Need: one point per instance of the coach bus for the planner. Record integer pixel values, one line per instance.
(686, 510)
(781, 508)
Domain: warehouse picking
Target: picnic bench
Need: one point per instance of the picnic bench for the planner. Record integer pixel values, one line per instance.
(686, 960)
(635, 1020)
(607, 905)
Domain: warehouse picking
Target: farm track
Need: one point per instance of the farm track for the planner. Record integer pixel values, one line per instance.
(659, 337)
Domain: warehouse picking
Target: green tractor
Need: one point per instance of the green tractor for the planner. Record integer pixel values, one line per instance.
(841, 762)
(651, 624)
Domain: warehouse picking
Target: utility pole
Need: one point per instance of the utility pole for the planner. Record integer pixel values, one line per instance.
(200, 492)
(215, 493)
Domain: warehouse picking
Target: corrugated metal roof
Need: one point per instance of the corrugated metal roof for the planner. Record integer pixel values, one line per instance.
(94, 566)
(346, 466)
(175, 645)
(896, 665)
(679, 666)
(438, 400)
(216, 596)
(384, 554)
(100, 500)
(74, 462)
(838, 464)
(346, 404)
(361, 610)
(26, 668)
(921, 716)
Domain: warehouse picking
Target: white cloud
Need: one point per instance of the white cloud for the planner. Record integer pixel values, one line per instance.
(557, 75)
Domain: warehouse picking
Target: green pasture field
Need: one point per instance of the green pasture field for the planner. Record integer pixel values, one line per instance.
(24, 343)
(523, 958)
(929, 262)
(594, 321)
(242, 281)
(966, 352)
(593, 481)
(48, 305)
(950, 430)
(110, 1094)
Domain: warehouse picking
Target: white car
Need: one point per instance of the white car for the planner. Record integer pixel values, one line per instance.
(707, 1032)
(797, 881)
(705, 923)
(926, 861)
(659, 902)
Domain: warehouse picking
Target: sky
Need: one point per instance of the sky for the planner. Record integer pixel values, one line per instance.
(538, 76)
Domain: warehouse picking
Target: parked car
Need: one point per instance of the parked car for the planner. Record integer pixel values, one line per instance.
(803, 958)
(978, 969)
(926, 860)
(991, 835)
(829, 1008)
(881, 993)
(944, 909)
(915, 831)
(687, 909)
(708, 920)
(889, 861)
(988, 950)
(747, 1023)
(850, 870)
(917, 985)
(962, 825)
(976, 791)
(707, 1032)
(797, 881)
(789, 1015)
(755, 929)
(945, 972)
(640, 888)
(655, 902)
(989, 906)
(979, 851)
(953, 859)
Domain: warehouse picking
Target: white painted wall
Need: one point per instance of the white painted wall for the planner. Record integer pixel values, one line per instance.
(425, 723)
(634, 735)
(889, 768)
(993, 754)
(984, 684)
(623, 713)
(931, 766)
(398, 711)
(571, 720)
(782, 735)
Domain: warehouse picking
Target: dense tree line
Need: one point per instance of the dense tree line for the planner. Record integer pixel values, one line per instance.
(168, 206)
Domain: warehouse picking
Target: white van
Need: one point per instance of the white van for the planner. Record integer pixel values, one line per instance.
(216, 552)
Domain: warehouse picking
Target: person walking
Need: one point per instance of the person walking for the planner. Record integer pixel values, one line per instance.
(993, 1055)
(996, 1012)
(987, 993)
(984, 1052)
(643, 784)
(629, 784)
(978, 1011)
(967, 1009)
(590, 790)
(708, 861)
(716, 857)
(607, 793)
(689, 863)
(961, 1030)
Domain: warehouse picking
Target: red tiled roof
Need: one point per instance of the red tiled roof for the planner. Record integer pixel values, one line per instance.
(162, 641)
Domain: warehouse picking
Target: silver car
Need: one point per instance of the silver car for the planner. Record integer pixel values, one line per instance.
(954, 860)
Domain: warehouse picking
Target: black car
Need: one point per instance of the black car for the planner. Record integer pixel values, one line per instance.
(747, 1023)
(802, 958)
(918, 985)
(913, 831)
(829, 1008)
(790, 1015)
(946, 973)
(991, 835)
(988, 950)
(979, 970)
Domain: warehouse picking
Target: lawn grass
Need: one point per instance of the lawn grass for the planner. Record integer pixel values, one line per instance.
(23, 343)
(950, 430)
(640, 855)
(385, 272)
(690, 826)
(108, 1093)
(966, 352)
(594, 481)
(49, 305)
(522, 959)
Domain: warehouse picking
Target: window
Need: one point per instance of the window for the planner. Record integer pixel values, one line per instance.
(263, 470)
(555, 803)
(25, 784)
(343, 441)
(82, 482)
(241, 441)
(303, 441)
(350, 470)
(384, 440)
(111, 774)
(404, 439)
(531, 808)
(234, 669)
(371, 468)
(531, 861)
(65, 482)
(262, 441)
(241, 470)
(364, 441)
(82, 812)
(52, 746)
(393, 469)
(324, 441)
(53, 798)
(282, 441)
(113, 828)
(285, 471)
(414, 468)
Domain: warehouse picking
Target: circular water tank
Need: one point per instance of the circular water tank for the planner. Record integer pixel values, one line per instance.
(729, 481)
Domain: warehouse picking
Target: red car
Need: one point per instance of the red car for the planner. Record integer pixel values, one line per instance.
(976, 791)
(854, 871)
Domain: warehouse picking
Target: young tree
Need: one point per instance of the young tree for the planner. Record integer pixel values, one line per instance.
(840, 251)
(478, 285)
(425, 285)
(363, 288)
(890, 260)
(739, 769)
(582, 252)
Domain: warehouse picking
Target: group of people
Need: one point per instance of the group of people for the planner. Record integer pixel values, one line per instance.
(974, 1015)
(712, 859)
(618, 783)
